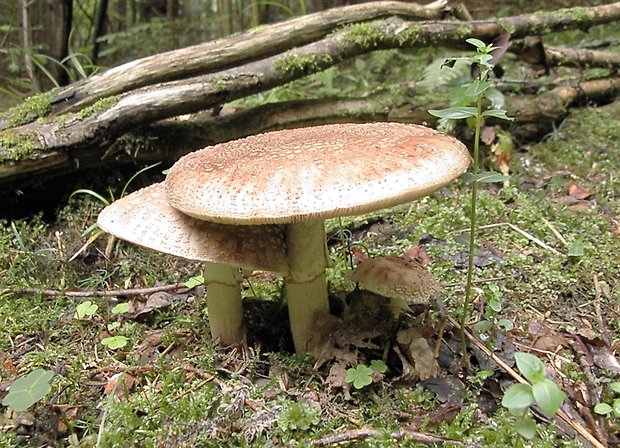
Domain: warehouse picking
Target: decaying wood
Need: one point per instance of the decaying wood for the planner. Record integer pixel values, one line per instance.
(74, 141)
(168, 140)
(236, 50)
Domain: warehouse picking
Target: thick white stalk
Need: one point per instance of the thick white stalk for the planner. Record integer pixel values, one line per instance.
(224, 303)
(306, 287)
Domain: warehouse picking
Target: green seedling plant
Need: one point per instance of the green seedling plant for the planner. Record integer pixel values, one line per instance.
(492, 310)
(610, 407)
(85, 310)
(542, 391)
(361, 375)
(28, 390)
(474, 92)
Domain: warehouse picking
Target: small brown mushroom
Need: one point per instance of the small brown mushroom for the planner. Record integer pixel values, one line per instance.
(145, 218)
(404, 281)
(300, 177)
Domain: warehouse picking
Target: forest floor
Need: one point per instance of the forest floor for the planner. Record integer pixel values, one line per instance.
(547, 282)
(547, 272)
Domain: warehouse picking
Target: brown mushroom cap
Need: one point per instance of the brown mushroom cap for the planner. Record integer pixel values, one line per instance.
(396, 278)
(314, 173)
(145, 218)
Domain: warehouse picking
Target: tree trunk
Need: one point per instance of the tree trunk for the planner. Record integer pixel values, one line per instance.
(64, 19)
(100, 18)
(27, 46)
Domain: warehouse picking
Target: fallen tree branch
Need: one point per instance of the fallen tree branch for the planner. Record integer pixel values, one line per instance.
(168, 140)
(235, 50)
(364, 433)
(109, 293)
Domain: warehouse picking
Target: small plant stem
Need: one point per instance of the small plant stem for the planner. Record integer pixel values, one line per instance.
(473, 224)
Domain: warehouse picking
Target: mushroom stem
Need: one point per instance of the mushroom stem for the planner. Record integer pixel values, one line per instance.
(224, 303)
(306, 287)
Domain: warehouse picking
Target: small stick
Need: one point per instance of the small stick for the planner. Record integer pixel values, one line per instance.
(112, 292)
(527, 235)
(363, 433)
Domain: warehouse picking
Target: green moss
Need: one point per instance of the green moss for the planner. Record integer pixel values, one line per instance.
(292, 63)
(580, 14)
(507, 26)
(99, 106)
(409, 35)
(367, 35)
(14, 145)
(463, 32)
(29, 110)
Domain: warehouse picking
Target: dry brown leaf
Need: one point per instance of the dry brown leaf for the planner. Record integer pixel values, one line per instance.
(120, 384)
(577, 192)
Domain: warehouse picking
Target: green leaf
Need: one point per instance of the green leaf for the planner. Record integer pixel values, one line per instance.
(85, 309)
(115, 342)
(615, 386)
(360, 376)
(496, 98)
(195, 281)
(121, 308)
(497, 113)
(548, 396)
(378, 366)
(483, 326)
(487, 177)
(113, 326)
(603, 409)
(576, 249)
(518, 396)
(495, 304)
(476, 42)
(526, 427)
(454, 113)
(475, 88)
(506, 324)
(616, 407)
(26, 391)
(530, 366)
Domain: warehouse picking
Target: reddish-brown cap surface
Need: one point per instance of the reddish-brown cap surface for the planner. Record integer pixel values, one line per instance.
(396, 278)
(314, 173)
(145, 218)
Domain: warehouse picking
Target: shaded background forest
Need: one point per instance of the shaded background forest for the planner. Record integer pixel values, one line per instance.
(47, 43)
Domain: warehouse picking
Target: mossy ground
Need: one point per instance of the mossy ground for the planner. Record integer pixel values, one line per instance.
(179, 390)
(270, 397)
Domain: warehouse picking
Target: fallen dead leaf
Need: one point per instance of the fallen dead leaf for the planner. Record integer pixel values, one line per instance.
(577, 192)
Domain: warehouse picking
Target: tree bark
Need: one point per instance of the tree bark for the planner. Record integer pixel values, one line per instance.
(100, 17)
(64, 18)
(30, 70)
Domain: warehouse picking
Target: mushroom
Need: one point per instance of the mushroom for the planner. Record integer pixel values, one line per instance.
(300, 177)
(145, 218)
(403, 280)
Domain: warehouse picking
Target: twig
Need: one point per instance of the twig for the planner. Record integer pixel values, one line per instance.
(111, 292)
(522, 232)
(350, 436)
(577, 427)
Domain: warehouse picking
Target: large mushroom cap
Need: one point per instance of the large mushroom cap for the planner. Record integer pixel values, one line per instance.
(145, 218)
(316, 172)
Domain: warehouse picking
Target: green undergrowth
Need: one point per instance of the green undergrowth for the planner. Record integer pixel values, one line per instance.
(186, 393)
